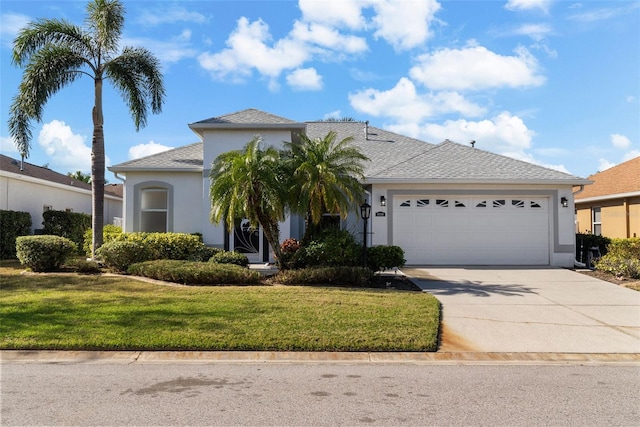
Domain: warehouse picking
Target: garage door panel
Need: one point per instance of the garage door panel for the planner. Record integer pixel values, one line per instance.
(472, 231)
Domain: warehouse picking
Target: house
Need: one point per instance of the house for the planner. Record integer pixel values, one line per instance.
(611, 206)
(29, 188)
(443, 203)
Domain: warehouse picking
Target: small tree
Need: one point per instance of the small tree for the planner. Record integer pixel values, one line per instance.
(249, 184)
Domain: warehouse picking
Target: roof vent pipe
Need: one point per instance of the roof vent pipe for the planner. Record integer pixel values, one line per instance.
(366, 130)
(22, 163)
(473, 144)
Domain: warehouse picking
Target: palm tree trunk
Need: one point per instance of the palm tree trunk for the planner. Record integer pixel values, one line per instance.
(97, 169)
(271, 231)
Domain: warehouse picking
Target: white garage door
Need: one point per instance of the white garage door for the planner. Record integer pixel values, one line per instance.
(494, 230)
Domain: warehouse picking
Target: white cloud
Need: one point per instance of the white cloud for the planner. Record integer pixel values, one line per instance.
(10, 24)
(340, 14)
(476, 68)
(603, 14)
(67, 150)
(631, 155)
(143, 150)
(248, 48)
(535, 31)
(333, 115)
(631, 98)
(604, 164)
(620, 141)
(404, 104)
(169, 51)
(7, 145)
(325, 36)
(404, 24)
(170, 15)
(305, 79)
(528, 5)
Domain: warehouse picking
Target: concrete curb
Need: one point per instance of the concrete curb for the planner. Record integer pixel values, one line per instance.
(205, 357)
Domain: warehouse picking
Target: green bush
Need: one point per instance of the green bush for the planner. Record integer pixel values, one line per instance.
(71, 225)
(384, 257)
(44, 253)
(204, 253)
(289, 248)
(83, 266)
(336, 276)
(228, 257)
(331, 248)
(196, 273)
(120, 255)
(110, 233)
(622, 258)
(12, 225)
(180, 246)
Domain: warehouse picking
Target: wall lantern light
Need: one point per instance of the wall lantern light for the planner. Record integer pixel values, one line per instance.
(383, 201)
(365, 213)
(564, 202)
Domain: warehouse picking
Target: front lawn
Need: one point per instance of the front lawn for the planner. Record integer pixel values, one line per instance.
(82, 312)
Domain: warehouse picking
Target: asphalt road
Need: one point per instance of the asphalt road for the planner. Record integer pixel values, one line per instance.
(318, 394)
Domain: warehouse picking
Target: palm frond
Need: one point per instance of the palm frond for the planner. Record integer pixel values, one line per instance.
(136, 74)
(105, 19)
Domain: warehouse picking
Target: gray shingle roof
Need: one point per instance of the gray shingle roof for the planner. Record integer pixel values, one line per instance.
(393, 157)
(187, 158)
(45, 174)
(249, 116)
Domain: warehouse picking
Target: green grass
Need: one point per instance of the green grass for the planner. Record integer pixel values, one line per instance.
(83, 312)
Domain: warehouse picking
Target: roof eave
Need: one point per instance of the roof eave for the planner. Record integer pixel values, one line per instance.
(608, 197)
(577, 181)
(197, 127)
(148, 169)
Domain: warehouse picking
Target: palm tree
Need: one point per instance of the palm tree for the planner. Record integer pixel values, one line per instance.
(326, 177)
(248, 184)
(80, 176)
(55, 53)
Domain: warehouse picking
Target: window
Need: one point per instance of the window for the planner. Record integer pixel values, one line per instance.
(459, 204)
(442, 203)
(596, 221)
(519, 204)
(154, 210)
(535, 205)
(482, 204)
(406, 204)
(501, 203)
(422, 203)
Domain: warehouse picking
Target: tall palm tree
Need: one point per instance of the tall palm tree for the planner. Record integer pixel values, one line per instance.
(55, 53)
(248, 184)
(326, 176)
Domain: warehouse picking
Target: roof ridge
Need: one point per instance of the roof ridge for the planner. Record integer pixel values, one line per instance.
(161, 153)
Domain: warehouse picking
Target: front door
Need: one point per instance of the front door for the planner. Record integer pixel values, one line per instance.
(247, 240)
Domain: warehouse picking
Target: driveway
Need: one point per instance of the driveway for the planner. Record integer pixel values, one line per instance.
(543, 309)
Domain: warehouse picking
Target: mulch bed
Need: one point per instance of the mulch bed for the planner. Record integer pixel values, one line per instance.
(627, 282)
(393, 281)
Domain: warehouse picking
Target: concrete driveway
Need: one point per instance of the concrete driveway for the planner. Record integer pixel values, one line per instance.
(543, 310)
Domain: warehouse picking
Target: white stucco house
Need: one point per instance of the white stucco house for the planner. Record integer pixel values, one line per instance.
(444, 204)
(25, 187)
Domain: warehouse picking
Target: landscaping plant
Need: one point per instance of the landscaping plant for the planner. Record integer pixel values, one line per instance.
(44, 253)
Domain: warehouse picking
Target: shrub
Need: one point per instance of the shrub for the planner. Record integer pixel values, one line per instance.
(120, 255)
(289, 248)
(44, 253)
(195, 273)
(12, 225)
(622, 258)
(180, 246)
(384, 257)
(110, 233)
(330, 248)
(83, 266)
(203, 253)
(228, 257)
(71, 225)
(337, 276)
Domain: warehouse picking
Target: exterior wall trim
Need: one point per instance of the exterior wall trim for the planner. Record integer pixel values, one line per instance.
(137, 197)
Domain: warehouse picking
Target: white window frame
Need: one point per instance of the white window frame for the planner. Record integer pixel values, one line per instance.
(595, 223)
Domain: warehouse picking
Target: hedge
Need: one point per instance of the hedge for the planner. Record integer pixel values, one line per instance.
(12, 225)
(71, 225)
(44, 253)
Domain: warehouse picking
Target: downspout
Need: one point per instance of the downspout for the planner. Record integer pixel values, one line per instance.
(124, 199)
(626, 217)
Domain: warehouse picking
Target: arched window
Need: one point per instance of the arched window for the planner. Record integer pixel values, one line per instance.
(154, 210)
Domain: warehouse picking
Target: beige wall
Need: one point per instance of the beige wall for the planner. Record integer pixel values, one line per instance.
(616, 221)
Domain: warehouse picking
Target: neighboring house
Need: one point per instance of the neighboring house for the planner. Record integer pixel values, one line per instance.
(443, 204)
(611, 206)
(29, 188)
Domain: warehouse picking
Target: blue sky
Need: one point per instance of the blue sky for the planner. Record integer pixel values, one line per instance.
(556, 83)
